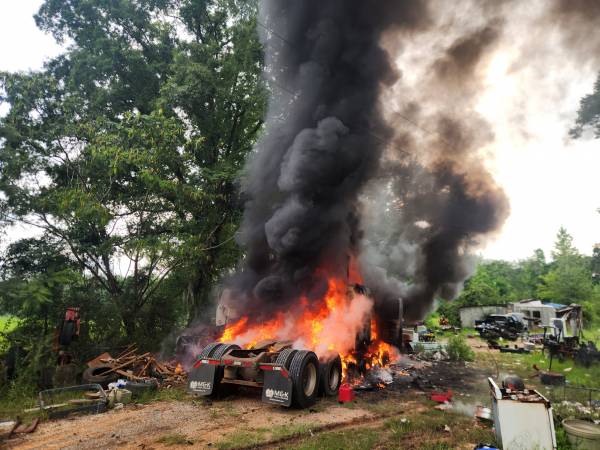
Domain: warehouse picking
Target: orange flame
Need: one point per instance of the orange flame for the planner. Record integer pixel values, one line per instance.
(327, 327)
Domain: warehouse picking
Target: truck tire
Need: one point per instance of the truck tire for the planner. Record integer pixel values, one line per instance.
(224, 348)
(100, 375)
(330, 376)
(222, 390)
(209, 349)
(284, 359)
(304, 372)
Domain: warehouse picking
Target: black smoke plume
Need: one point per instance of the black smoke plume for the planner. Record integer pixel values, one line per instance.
(323, 141)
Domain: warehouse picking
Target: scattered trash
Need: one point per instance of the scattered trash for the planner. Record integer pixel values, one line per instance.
(443, 406)
(61, 402)
(550, 378)
(523, 416)
(442, 397)
(447, 429)
(513, 382)
(116, 396)
(380, 375)
(567, 369)
(19, 428)
(484, 414)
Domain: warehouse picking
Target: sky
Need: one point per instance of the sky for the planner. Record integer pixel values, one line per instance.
(551, 181)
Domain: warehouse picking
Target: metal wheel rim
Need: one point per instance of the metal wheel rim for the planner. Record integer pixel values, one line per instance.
(309, 380)
(334, 378)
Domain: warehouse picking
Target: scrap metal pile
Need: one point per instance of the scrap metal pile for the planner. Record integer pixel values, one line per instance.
(106, 369)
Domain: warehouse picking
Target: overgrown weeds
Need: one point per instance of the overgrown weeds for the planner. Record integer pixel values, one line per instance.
(458, 349)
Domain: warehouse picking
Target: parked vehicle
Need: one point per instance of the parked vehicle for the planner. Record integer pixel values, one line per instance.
(496, 326)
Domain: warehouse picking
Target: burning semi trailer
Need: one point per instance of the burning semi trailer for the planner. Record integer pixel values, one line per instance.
(327, 179)
(297, 355)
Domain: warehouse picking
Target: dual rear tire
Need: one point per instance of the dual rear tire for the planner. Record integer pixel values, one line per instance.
(217, 350)
(310, 378)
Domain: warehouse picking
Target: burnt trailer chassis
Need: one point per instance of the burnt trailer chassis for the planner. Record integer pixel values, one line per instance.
(287, 377)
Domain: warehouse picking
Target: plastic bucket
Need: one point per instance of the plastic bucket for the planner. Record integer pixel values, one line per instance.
(582, 435)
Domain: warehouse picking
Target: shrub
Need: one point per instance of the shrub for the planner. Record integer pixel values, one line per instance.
(459, 350)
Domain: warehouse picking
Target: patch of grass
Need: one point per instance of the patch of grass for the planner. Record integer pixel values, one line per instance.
(14, 398)
(427, 430)
(175, 439)
(243, 438)
(562, 441)
(341, 440)
(386, 406)
(229, 408)
(176, 393)
(458, 349)
(522, 365)
(284, 431)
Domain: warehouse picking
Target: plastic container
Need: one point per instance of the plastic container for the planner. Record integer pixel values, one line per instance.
(582, 435)
(345, 393)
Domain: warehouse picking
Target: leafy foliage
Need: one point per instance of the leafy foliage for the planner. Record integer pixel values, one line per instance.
(124, 153)
(588, 115)
(458, 349)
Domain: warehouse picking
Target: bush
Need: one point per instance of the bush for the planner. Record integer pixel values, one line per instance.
(459, 350)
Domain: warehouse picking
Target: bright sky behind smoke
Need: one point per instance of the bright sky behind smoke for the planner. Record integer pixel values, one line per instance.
(550, 180)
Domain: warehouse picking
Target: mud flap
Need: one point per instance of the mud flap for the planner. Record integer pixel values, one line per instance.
(277, 388)
(201, 380)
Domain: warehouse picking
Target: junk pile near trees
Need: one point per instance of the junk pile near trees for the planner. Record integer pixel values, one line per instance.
(140, 370)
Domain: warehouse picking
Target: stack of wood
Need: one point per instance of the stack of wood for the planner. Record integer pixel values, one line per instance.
(139, 367)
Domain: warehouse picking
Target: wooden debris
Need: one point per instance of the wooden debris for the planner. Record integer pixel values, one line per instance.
(142, 367)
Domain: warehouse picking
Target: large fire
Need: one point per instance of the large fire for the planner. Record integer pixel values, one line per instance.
(328, 327)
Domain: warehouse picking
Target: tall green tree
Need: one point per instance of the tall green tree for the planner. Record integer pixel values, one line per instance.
(569, 280)
(588, 115)
(125, 150)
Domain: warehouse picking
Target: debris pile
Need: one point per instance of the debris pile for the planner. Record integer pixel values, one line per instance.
(106, 369)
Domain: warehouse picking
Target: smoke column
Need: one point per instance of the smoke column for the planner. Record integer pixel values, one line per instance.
(374, 145)
(324, 137)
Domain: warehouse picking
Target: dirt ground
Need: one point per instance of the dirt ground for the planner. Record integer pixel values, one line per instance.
(246, 422)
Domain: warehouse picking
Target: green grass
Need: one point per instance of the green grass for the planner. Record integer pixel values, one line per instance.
(243, 438)
(173, 394)
(424, 430)
(284, 431)
(248, 437)
(522, 365)
(175, 439)
(341, 440)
